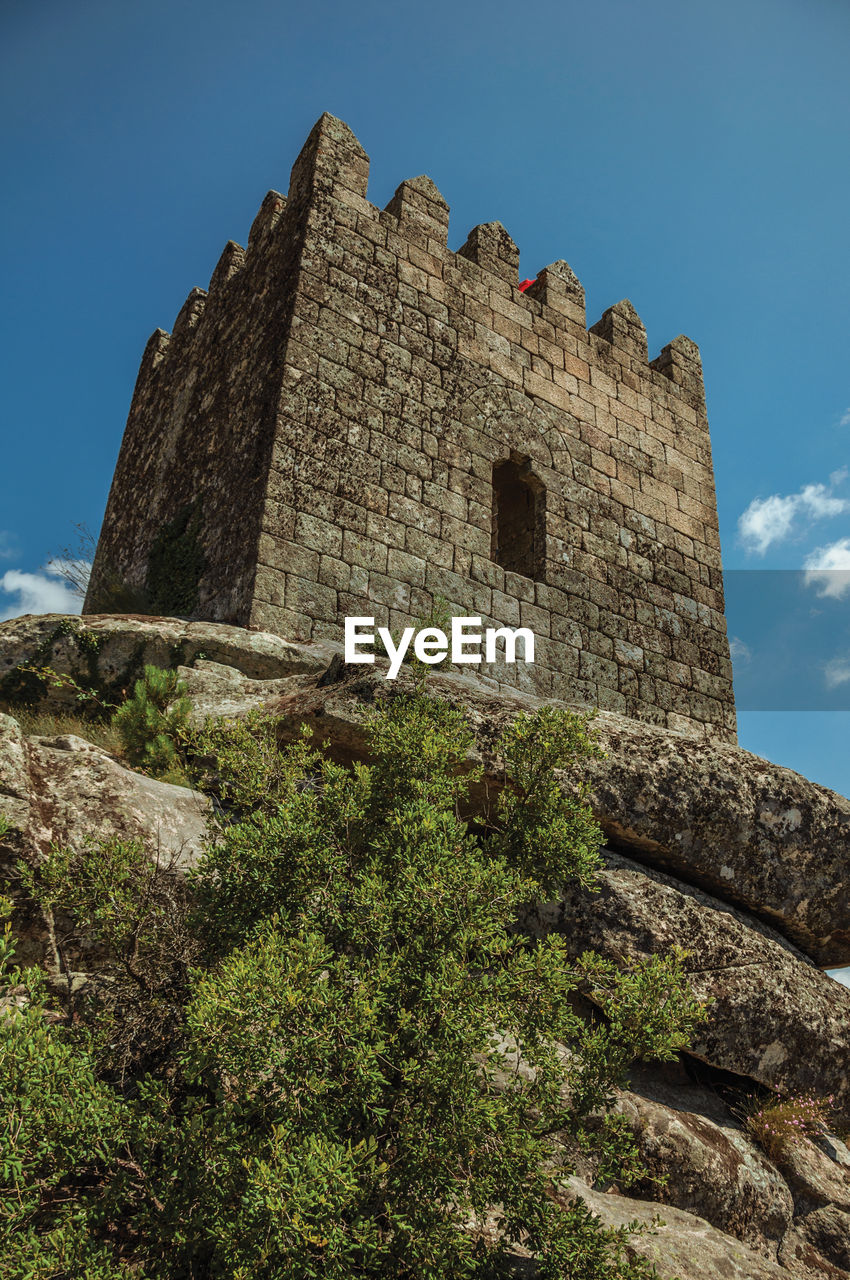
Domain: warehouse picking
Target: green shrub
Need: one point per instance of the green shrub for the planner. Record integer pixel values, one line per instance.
(385, 1048)
(63, 1143)
(152, 722)
(123, 907)
(375, 1075)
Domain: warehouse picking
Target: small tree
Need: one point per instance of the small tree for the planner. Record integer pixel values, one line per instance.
(152, 722)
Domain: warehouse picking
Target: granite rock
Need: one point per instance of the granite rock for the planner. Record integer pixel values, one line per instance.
(774, 1017)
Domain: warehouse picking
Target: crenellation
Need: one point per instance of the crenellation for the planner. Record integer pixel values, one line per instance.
(489, 246)
(268, 216)
(331, 163)
(558, 289)
(155, 351)
(231, 262)
(188, 316)
(355, 384)
(418, 200)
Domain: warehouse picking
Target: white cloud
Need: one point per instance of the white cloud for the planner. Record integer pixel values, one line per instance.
(773, 519)
(43, 592)
(7, 545)
(766, 520)
(845, 418)
(828, 569)
(837, 672)
(840, 975)
(739, 651)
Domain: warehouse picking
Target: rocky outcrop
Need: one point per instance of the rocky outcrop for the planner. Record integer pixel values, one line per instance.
(773, 1012)
(750, 832)
(818, 1173)
(84, 793)
(818, 1245)
(14, 775)
(678, 1243)
(740, 862)
(724, 1208)
(66, 791)
(221, 691)
(110, 652)
(700, 1160)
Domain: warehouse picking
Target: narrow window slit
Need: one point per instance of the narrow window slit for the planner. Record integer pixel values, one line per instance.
(518, 518)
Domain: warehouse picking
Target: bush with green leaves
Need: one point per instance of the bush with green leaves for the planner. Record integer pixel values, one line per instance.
(376, 1075)
(153, 721)
(118, 910)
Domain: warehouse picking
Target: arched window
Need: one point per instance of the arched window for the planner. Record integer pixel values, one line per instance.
(518, 518)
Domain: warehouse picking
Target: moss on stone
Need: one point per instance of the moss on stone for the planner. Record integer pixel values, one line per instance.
(176, 563)
(23, 686)
(26, 684)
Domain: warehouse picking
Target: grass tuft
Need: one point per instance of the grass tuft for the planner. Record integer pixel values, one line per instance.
(786, 1120)
(36, 723)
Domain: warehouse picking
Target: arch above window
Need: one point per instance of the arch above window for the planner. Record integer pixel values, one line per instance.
(519, 518)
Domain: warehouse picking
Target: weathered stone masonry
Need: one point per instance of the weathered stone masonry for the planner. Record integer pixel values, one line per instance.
(357, 420)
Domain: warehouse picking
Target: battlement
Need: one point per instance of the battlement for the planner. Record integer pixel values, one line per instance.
(362, 420)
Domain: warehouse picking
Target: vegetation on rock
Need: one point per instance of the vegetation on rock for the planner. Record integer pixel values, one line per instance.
(151, 722)
(50, 723)
(786, 1119)
(176, 564)
(341, 1059)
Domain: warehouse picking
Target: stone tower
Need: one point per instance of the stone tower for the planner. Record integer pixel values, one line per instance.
(354, 420)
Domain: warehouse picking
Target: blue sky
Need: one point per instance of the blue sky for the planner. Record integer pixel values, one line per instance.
(690, 157)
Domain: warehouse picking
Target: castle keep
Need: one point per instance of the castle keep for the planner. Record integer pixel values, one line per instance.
(355, 420)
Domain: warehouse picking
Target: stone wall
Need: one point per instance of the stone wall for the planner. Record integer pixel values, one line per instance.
(336, 412)
(194, 460)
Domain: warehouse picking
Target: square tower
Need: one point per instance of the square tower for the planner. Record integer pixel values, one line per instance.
(355, 420)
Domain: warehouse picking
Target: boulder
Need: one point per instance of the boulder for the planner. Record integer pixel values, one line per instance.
(109, 652)
(750, 832)
(818, 1172)
(680, 1244)
(217, 690)
(65, 790)
(774, 1017)
(81, 792)
(705, 1164)
(818, 1247)
(14, 774)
